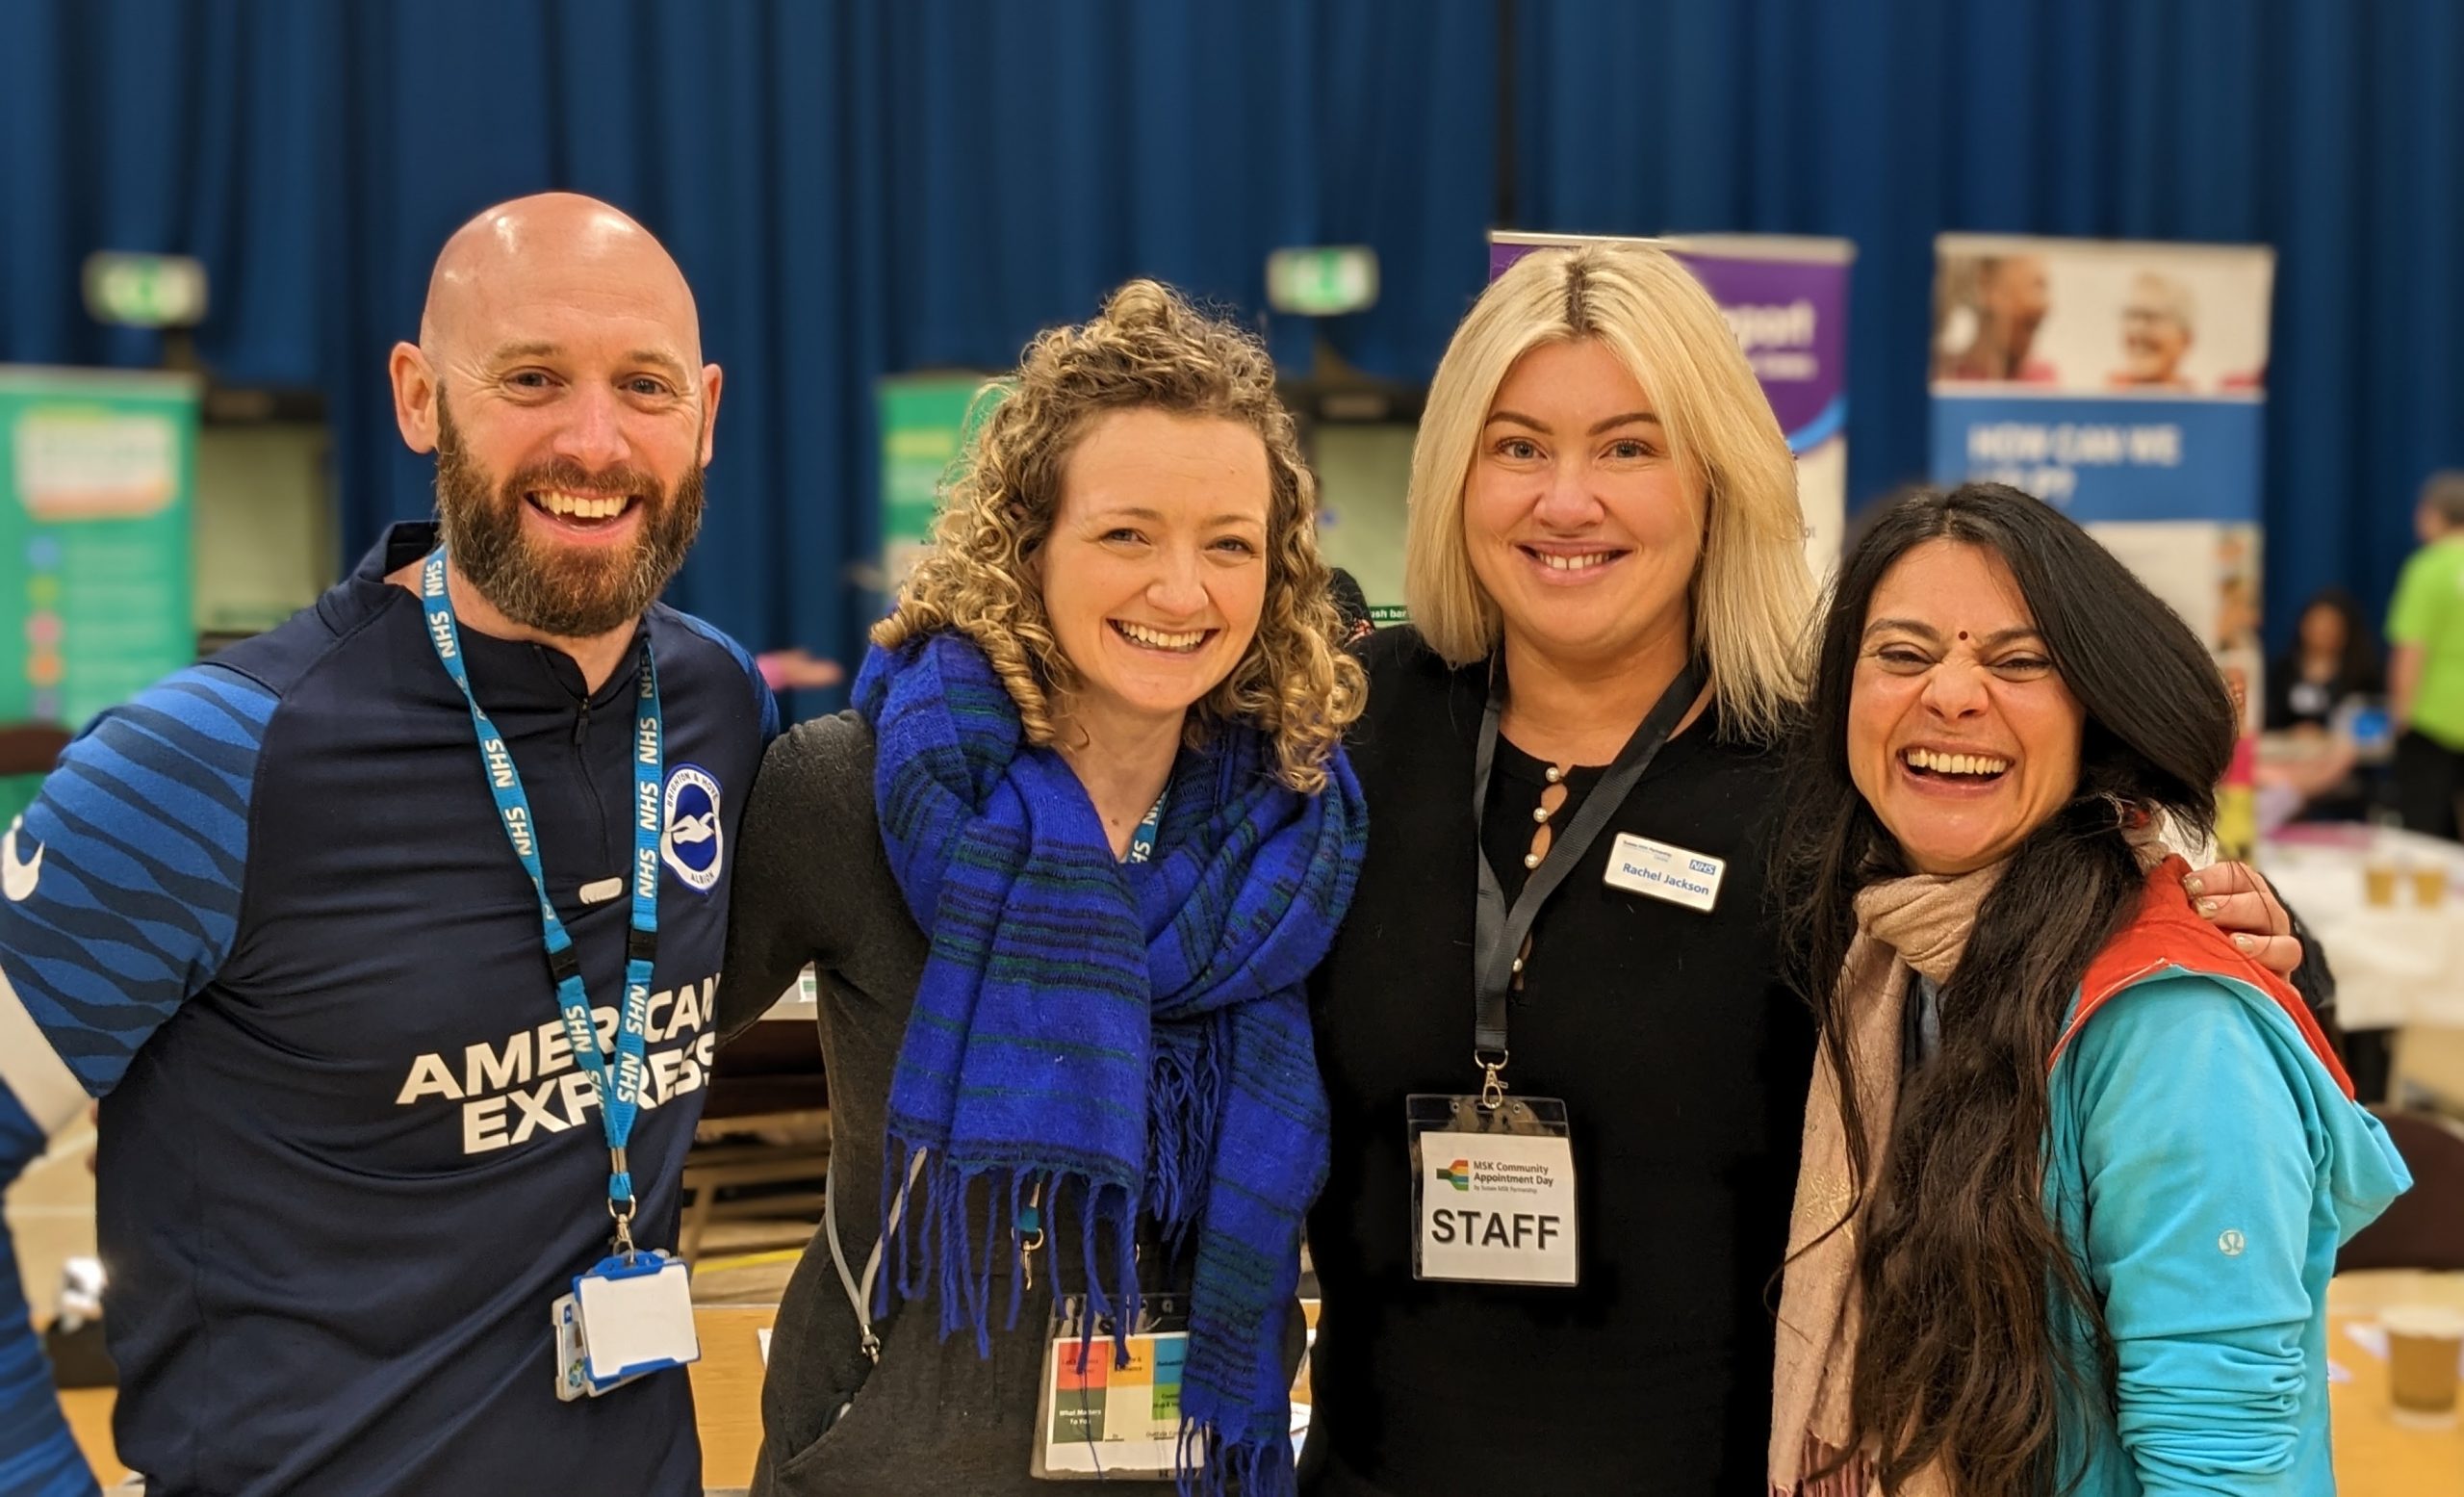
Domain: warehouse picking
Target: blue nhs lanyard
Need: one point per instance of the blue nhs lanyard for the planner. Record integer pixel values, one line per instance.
(617, 1103)
(1141, 842)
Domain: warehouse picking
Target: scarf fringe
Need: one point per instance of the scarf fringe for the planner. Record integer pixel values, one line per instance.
(1185, 1109)
(1207, 1465)
(1855, 1479)
(933, 1254)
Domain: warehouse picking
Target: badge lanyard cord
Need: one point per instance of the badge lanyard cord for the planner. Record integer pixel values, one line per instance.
(619, 1099)
(1500, 932)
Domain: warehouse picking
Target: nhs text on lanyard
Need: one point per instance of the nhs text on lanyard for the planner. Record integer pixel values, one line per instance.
(632, 1299)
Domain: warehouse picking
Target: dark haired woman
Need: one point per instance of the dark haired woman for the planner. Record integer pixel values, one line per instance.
(2334, 657)
(2075, 1167)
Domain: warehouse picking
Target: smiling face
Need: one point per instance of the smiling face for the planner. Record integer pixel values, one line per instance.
(1960, 735)
(2153, 345)
(558, 379)
(1576, 519)
(2155, 332)
(1154, 571)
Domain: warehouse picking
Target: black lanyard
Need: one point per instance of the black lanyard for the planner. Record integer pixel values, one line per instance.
(1499, 932)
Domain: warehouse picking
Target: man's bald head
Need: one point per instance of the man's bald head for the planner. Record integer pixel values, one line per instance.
(544, 241)
(559, 379)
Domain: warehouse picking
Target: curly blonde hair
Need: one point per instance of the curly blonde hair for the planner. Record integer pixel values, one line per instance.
(1147, 349)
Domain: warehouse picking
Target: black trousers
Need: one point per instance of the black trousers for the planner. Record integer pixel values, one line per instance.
(2430, 784)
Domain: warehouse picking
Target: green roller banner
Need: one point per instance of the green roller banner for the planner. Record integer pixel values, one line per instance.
(97, 473)
(925, 425)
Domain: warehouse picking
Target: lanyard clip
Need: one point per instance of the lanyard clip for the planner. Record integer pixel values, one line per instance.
(621, 1205)
(1492, 1085)
(1031, 1232)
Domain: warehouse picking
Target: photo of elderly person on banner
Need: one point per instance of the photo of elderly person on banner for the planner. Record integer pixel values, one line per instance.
(2075, 1165)
(1063, 869)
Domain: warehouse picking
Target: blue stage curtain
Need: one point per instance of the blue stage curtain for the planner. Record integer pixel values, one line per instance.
(856, 188)
(852, 191)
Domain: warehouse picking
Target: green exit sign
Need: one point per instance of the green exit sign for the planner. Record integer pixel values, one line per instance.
(144, 290)
(1327, 281)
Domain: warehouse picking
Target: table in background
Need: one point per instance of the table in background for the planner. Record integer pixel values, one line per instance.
(2398, 968)
(2376, 1457)
(2396, 965)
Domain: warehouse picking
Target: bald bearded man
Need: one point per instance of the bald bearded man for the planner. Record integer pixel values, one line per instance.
(388, 939)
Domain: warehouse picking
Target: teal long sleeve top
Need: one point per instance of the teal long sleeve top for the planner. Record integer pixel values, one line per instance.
(2204, 1165)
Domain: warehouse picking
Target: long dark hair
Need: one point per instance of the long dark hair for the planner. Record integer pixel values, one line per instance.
(1960, 1359)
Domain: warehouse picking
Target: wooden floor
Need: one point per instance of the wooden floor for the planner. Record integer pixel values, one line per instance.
(743, 1270)
(745, 1267)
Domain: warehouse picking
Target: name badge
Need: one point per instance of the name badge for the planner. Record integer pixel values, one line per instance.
(1639, 864)
(1493, 1191)
(625, 1318)
(1112, 1411)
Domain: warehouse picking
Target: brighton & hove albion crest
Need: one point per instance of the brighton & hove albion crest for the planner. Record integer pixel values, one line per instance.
(690, 845)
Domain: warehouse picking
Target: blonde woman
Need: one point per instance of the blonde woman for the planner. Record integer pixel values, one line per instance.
(1566, 1072)
(1062, 870)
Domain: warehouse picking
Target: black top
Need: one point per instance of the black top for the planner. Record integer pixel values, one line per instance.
(1683, 1062)
(2294, 700)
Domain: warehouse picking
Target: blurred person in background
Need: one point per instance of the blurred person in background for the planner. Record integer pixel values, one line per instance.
(2075, 1167)
(2334, 659)
(1062, 870)
(799, 669)
(2308, 765)
(1606, 570)
(2426, 665)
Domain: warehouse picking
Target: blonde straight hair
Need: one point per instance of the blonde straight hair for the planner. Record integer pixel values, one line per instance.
(1753, 596)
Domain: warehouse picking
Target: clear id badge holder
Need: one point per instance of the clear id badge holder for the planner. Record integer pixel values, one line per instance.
(1493, 1189)
(629, 1316)
(1104, 1418)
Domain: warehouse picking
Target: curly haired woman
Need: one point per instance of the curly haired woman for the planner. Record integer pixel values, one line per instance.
(1063, 869)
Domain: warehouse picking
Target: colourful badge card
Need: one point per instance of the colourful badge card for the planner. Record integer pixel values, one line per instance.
(1115, 1421)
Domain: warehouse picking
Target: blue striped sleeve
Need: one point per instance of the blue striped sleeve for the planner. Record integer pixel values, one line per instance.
(766, 704)
(123, 884)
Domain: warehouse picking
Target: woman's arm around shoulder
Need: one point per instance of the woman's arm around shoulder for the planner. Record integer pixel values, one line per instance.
(813, 796)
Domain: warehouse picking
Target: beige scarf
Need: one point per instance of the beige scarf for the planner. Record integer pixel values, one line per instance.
(1917, 924)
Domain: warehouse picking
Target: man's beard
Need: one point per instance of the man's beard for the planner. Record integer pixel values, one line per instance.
(571, 592)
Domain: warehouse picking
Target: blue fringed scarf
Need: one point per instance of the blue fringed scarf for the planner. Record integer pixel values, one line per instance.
(1137, 1033)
